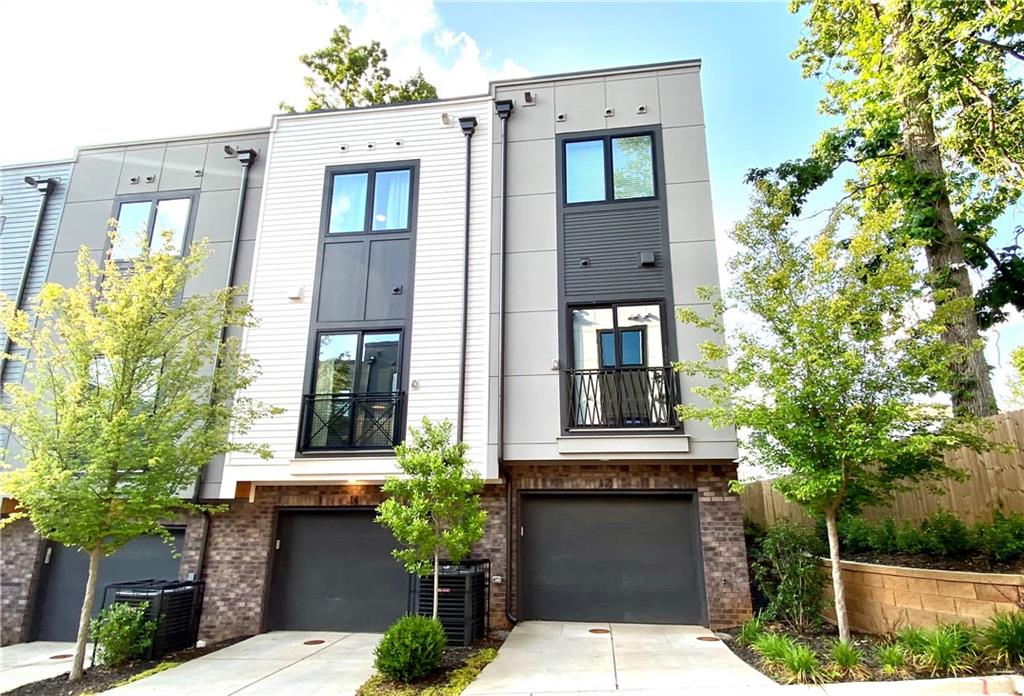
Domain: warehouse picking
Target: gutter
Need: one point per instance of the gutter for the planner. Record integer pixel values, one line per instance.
(504, 109)
(468, 125)
(45, 187)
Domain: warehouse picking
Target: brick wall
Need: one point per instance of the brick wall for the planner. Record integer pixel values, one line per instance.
(721, 524)
(21, 552)
(881, 599)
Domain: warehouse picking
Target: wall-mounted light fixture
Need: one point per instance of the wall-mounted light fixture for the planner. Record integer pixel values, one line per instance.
(295, 295)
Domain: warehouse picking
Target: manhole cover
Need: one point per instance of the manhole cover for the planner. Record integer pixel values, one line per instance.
(60, 657)
(316, 641)
(599, 630)
(708, 639)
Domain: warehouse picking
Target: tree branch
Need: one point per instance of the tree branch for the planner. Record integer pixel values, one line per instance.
(1010, 50)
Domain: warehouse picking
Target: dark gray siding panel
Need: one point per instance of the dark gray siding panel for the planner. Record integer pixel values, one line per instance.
(343, 282)
(602, 253)
(387, 296)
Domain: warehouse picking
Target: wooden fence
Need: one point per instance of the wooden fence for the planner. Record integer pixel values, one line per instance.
(994, 480)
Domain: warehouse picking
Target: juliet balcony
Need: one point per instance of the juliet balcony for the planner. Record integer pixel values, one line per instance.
(351, 421)
(621, 397)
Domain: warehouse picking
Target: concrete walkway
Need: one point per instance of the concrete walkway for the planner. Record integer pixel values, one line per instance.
(278, 663)
(24, 663)
(544, 657)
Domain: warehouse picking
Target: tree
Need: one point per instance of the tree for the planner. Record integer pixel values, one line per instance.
(1017, 378)
(930, 96)
(837, 372)
(345, 76)
(436, 508)
(121, 407)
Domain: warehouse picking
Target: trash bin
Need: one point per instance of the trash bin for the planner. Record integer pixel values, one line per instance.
(173, 605)
(463, 599)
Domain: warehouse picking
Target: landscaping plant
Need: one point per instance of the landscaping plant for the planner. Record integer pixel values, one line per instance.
(911, 639)
(847, 660)
(799, 664)
(893, 659)
(436, 508)
(947, 650)
(772, 648)
(750, 631)
(122, 633)
(120, 409)
(788, 573)
(410, 649)
(1003, 639)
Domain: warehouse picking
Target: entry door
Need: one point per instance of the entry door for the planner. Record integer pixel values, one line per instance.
(628, 558)
(62, 583)
(333, 571)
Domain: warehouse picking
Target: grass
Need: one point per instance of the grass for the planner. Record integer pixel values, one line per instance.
(893, 660)
(947, 650)
(750, 631)
(788, 660)
(452, 684)
(1003, 639)
(162, 667)
(847, 661)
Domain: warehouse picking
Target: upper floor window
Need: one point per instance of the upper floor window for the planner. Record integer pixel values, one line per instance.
(610, 168)
(160, 223)
(373, 200)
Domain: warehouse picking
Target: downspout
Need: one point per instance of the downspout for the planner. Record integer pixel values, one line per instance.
(504, 109)
(246, 158)
(468, 126)
(45, 187)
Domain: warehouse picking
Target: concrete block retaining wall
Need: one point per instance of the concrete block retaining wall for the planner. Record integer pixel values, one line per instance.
(881, 599)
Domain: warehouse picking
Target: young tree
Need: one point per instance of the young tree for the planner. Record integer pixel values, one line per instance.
(121, 407)
(344, 75)
(930, 96)
(435, 508)
(837, 368)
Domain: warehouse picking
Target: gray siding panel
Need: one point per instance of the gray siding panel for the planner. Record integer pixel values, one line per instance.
(602, 253)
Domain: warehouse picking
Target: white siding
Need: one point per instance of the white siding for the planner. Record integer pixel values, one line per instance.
(301, 147)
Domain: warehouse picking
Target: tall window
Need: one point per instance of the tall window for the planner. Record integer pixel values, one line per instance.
(361, 363)
(617, 336)
(612, 168)
(161, 224)
(370, 201)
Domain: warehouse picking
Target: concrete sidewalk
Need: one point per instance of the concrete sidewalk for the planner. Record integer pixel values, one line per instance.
(24, 663)
(545, 657)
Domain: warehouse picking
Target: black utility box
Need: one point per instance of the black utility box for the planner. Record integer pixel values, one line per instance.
(173, 605)
(463, 599)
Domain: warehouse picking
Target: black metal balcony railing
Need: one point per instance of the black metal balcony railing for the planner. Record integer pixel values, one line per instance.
(622, 397)
(351, 421)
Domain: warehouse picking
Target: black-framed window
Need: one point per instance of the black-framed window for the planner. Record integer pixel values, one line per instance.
(162, 223)
(618, 336)
(609, 168)
(358, 362)
(374, 200)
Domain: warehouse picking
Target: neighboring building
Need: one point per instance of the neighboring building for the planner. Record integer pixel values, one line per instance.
(189, 186)
(580, 208)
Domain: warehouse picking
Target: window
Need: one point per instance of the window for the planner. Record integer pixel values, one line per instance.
(160, 224)
(375, 371)
(617, 336)
(388, 190)
(610, 168)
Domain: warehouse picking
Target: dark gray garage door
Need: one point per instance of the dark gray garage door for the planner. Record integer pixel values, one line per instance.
(629, 558)
(62, 582)
(333, 570)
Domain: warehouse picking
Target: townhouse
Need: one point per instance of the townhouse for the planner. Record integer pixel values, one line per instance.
(510, 262)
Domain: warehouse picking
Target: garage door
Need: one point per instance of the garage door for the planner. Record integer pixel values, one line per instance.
(630, 558)
(333, 571)
(62, 582)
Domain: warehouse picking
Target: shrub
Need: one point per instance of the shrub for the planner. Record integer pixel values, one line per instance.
(910, 539)
(750, 631)
(947, 650)
(410, 649)
(856, 534)
(772, 647)
(847, 660)
(945, 535)
(1003, 639)
(893, 659)
(121, 633)
(800, 665)
(790, 576)
(910, 639)
(1003, 539)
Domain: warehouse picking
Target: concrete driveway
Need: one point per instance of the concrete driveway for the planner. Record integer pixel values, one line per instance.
(24, 663)
(545, 657)
(275, 663)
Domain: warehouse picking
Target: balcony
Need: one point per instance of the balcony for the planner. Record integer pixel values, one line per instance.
(332, 422)
(621, 397)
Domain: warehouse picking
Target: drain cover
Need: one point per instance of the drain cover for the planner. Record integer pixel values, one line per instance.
(315, 641)
(60, 657)
(599, 630)
(708, 639)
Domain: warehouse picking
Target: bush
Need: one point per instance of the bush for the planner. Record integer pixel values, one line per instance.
(945, 535)
(1004, 639)
(790, 576)
(855, 534)
(847, 660)
(750, 631)
(910, 539)
(799, 665)
(947, 650)
(410, 649)
(1003, 539)
(893, 659)
(772, 648)
(121, 633)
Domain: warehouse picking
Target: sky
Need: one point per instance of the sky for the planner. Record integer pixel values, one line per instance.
(78, 72)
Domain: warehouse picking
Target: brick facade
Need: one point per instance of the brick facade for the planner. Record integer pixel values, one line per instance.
(21, 555)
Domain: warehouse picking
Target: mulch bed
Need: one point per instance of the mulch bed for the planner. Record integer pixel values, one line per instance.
(970, 564)
(98, 679)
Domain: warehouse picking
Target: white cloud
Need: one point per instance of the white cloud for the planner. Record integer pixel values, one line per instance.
(78, 73)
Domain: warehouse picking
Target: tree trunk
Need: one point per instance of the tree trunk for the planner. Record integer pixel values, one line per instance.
(436, 582)
(972, 390)
(838, 589)
(78, 666)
